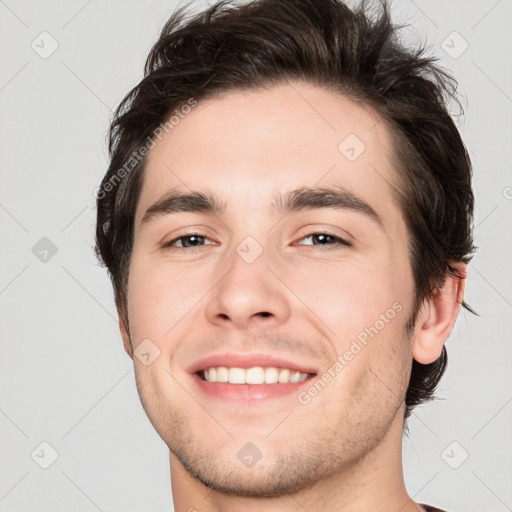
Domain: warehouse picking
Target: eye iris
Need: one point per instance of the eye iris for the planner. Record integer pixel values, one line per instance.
(187, 239)
(322, 237)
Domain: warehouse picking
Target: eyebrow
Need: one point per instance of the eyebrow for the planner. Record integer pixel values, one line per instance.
(303, 198)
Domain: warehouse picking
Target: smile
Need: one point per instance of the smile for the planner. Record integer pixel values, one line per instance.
(256, 375)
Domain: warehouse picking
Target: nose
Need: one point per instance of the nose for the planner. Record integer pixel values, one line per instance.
(249, 295)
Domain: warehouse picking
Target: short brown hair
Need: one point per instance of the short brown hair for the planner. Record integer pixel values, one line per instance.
(324, 42)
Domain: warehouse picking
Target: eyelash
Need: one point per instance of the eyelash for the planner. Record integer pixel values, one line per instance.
(325, 247)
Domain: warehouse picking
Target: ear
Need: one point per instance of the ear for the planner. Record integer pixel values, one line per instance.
(437, 316)
(125, 333)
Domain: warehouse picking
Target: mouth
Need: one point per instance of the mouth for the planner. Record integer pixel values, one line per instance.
(244, 378)
(253, 376)
(250, 386)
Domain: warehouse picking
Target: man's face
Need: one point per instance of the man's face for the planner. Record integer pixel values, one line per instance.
(262, 281)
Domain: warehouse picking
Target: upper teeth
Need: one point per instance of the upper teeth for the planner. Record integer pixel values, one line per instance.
(256, 375)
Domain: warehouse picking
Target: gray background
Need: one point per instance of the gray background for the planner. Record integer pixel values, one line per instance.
(64, 377)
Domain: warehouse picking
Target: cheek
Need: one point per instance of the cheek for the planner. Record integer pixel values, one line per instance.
(348, 298)
(161, 297)
(362, 306)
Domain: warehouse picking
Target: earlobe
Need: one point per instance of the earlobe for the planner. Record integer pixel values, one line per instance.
(437, 317)
(125, 334)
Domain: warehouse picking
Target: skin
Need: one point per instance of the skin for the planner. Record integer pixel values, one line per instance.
(343, 450)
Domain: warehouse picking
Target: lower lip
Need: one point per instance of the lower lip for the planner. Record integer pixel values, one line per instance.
(248, 393)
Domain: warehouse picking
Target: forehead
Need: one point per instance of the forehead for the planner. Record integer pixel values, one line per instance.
(247, 146)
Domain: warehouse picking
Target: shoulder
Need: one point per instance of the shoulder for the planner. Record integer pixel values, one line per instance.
(429, 508)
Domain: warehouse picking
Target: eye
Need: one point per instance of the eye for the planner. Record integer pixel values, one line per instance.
(191, 241)
(325, 240)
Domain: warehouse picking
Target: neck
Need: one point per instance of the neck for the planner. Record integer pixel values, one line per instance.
(374, 482)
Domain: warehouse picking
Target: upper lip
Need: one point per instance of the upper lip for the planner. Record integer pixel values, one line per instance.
(239, 360)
